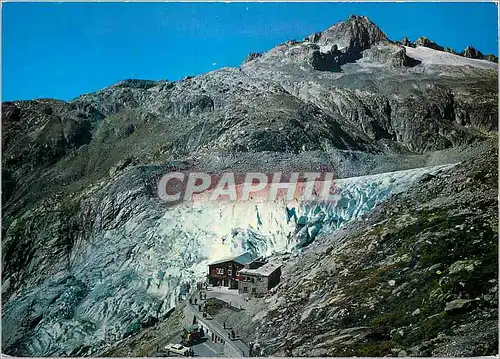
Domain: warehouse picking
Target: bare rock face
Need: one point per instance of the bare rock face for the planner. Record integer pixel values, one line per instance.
(405, 41)
(424, 41)
(329, 50)
(83, 251)
(417, 277)
(491, 58)
(357, 33)
(252, 56)
(346, 40)
(390, 54)
(472, 53)
(450, 50)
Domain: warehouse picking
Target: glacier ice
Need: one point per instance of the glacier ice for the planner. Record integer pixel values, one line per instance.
(265, 228)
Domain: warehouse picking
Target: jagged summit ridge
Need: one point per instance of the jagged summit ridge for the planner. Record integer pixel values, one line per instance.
(345, 42)
(357, 32)
(336, 46)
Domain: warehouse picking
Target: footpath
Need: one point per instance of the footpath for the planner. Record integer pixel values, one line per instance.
(239, 348)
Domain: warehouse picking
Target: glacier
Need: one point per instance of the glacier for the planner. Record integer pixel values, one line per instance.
(206, 231)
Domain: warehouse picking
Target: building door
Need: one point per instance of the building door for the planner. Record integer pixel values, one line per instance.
(233, 284)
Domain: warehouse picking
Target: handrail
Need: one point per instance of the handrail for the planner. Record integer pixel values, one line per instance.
(211, 325)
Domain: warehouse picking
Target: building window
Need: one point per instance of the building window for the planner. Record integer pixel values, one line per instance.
(253, 280)
(245, 289)
(229, 272)
(254, 290)
(220, 271)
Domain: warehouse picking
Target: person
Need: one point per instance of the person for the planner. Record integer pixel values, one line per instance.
(233, 333)
(224, 325)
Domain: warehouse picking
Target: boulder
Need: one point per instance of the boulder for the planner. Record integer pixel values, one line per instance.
(458, 304)
(463, 265)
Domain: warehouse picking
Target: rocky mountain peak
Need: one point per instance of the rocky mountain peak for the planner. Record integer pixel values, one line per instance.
(424, 41)
(357, 32)
(491, 58)
(405, 41)
(472, 53)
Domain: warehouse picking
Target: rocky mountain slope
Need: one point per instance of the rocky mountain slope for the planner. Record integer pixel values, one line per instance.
(418, 276)
(89, 252)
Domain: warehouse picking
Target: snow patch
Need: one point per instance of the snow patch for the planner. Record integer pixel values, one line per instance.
(434, 57)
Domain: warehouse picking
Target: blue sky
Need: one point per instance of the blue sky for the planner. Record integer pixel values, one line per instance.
(62, 50)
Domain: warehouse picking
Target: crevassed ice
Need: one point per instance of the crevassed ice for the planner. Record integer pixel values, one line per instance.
(265, 228)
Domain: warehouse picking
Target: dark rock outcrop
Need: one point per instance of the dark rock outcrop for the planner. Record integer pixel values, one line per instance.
(389, 54)
(357, 33)
(252, 56)
(491, 58)
(472, 53)
(424, 41)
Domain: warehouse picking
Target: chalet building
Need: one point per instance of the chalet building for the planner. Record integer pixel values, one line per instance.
(258, 278)
(224, 272)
